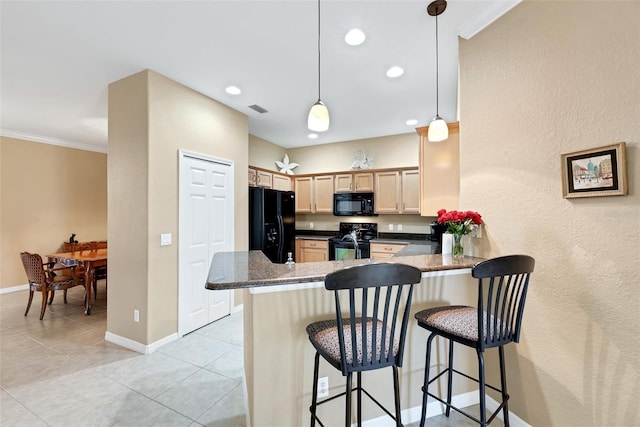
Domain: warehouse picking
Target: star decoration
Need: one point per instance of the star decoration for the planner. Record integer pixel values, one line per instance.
(285, 166)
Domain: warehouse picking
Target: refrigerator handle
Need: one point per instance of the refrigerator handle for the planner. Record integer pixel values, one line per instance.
(281, 254)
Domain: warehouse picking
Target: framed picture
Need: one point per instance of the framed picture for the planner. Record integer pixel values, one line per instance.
(596, 172)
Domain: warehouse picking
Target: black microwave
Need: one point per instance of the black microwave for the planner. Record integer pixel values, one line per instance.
(353, 204)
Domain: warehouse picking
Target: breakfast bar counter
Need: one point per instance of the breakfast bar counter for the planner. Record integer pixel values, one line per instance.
(281, 300)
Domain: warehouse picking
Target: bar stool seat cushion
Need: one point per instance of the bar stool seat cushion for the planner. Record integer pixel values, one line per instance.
(324, 337)
(457, 320)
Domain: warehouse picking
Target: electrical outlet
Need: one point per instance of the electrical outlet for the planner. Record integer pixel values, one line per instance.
(399, 227)
(390, 227)
(310, 225)
(136, 315)
(323, 387)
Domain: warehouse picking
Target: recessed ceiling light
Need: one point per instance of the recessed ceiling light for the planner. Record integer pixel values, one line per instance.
(313, 136)
(355, 37)
(411, 122)
(394, 72)
(233, 90)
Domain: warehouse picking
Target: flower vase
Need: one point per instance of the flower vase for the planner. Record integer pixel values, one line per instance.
(458, 250)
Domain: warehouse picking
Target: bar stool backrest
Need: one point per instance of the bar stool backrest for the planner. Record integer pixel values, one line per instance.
(376, 300)
(503, 284)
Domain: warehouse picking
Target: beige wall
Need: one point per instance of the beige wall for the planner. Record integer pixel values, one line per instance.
(47, 192)
(394, 151)
(150, 119)
(263, 154)
(545, 79)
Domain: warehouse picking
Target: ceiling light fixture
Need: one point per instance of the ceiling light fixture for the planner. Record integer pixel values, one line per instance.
(355, 37)
(318, 120)
(233, 90)
(394, 72)
(411, 122)
(438, 129)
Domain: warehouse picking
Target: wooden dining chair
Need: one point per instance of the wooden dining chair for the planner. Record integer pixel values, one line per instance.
(47, 279)
(99, 273)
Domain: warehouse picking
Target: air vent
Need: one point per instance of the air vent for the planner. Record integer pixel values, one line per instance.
(258, 108)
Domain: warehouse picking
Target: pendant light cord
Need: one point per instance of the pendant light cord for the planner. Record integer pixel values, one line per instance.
(318, 50)
(437, 72)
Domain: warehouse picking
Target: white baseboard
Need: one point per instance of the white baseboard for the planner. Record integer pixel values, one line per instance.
(136, 346)
(14, 289)
(434, 409)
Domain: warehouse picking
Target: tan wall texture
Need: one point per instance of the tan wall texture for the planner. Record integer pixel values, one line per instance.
(263, 154)
(47, 192)
(150, 118)
(394, 151)
(545, 79)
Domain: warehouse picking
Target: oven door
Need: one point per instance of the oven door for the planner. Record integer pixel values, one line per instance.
(344, 249)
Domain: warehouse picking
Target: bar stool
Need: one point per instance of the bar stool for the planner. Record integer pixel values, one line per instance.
(370, 335)
(495, 322)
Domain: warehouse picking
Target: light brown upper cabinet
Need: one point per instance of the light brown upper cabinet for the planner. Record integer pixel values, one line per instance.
(263, 178)
(253, 177)
(314, 194)
(281, 182)
(439, 172)
(397, 191)
(387, 195)
(354, 182)
(410, 191)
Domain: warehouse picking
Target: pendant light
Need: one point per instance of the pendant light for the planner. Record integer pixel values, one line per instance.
(318, 120)
(438, 129)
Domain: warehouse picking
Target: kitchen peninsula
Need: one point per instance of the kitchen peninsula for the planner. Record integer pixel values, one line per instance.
(282, 299)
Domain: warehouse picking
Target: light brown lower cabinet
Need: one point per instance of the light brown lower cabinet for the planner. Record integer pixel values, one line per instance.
(385, 250)
(311, 250)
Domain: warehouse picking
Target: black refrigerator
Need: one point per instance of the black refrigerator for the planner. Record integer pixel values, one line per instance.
(272, 223)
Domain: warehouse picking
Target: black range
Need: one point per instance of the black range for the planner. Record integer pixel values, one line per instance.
(353, 240)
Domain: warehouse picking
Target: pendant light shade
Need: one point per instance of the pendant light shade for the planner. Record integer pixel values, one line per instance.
(438, 129)
(318, 120)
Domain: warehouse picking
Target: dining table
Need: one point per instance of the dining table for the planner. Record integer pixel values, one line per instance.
(89, 259)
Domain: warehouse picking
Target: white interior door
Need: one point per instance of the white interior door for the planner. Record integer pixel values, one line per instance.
(206, 227)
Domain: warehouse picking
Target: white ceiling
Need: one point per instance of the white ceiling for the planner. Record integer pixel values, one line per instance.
(58, 57)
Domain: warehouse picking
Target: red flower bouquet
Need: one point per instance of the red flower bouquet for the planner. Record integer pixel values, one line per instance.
(459, 222)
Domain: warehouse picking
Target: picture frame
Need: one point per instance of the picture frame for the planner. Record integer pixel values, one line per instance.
(596, 172)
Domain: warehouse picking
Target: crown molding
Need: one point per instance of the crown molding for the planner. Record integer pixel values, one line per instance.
(53, 141)
(485, 18)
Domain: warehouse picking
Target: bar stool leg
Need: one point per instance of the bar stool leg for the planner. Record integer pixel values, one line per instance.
(347, 421)
(503, 380)
(396, 394)
(314, 392)
(359, 398)
(481, 389)
(425, 387)
(450, 378)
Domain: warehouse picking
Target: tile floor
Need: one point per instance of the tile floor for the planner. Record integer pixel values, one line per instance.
(61, 372)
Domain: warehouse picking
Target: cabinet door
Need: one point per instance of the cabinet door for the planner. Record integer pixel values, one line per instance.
(281, 182)
(363, 182)
(387, 192)
(343, 183)
(323, 194)
(312, 250)
(304, 194)
(385, 250)
(264, 179)
(410, 191)
(253, 176)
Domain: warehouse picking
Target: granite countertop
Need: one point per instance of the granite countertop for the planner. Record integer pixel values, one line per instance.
(233, 270)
